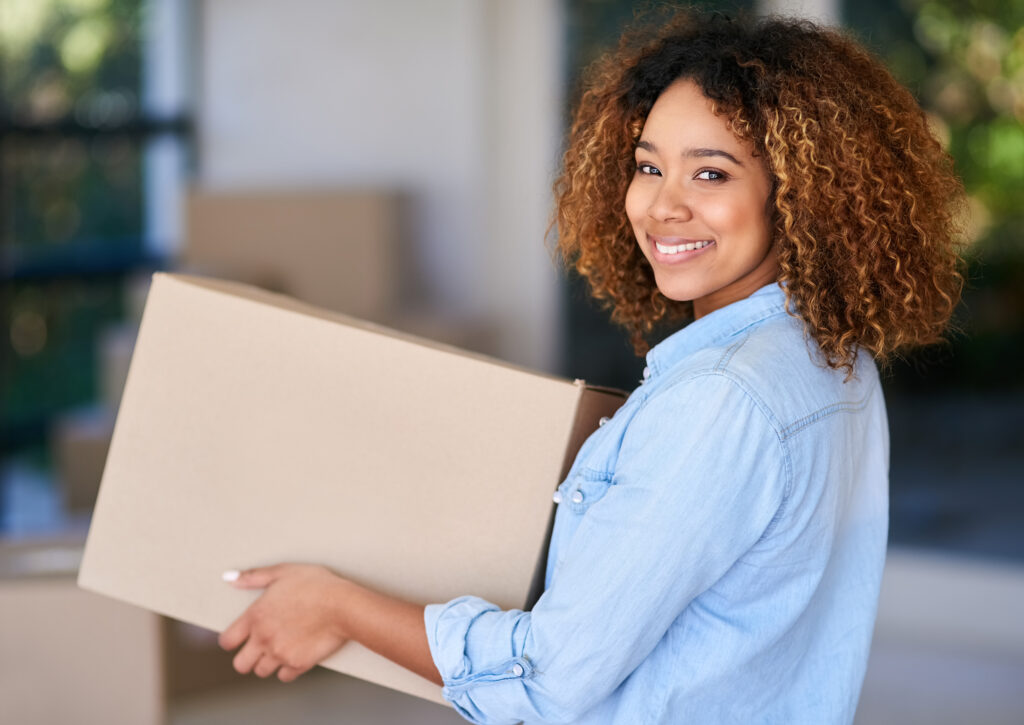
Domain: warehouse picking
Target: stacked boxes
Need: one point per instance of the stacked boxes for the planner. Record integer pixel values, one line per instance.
(69, 656)
(339, 250)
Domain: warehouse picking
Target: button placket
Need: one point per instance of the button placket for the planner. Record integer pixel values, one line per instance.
(585, 489)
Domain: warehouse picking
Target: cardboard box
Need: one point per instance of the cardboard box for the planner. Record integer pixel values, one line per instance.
(115, 353)
(474, 334)
(110, 662)
(69, 656)
(193, 661)
(335, 249)
(80, 441)
(255, 429)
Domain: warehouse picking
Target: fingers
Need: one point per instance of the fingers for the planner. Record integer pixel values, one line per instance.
(247, 658)
(289, 674)
(258, 578)
(265, 666)
(234, 635)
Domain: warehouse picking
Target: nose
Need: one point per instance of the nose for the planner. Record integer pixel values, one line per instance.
(670, 203)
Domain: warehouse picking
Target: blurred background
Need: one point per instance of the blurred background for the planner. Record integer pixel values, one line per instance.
(393, 159)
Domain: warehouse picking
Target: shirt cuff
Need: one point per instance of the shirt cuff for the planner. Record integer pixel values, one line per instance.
(478, 650)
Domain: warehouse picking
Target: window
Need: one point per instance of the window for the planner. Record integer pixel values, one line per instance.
(93, 136)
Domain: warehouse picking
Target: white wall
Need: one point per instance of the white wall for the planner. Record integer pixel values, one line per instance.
(456, 102)
(523, 127)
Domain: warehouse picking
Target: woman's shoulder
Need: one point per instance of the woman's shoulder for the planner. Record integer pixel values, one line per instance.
(778, 366)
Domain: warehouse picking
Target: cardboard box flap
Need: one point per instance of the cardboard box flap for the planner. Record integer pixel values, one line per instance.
(254, 430)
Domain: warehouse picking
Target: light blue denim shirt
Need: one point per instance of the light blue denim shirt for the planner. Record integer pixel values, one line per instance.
(717, 550)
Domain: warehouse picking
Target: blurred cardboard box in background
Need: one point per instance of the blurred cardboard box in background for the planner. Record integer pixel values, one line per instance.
(80, 440)
(70, 656)
(340, 250)
(344, 250)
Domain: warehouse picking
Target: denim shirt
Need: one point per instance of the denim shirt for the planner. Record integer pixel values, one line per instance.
(717, 550)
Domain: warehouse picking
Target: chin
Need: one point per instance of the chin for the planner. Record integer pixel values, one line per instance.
(677, 292)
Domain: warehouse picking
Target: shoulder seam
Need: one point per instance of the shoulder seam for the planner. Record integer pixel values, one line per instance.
(853, 405)
(769, 417)
(723, 362)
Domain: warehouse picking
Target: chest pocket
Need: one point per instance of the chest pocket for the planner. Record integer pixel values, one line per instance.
(584, 488)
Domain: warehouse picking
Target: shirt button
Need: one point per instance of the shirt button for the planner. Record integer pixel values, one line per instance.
(517, 670)
(577, 497)
(603, 420)
(557, 497)
(647, 372)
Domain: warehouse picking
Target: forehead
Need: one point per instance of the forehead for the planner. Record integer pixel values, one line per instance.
(683, 115)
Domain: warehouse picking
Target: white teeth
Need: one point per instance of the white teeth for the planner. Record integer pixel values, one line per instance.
(677, 248)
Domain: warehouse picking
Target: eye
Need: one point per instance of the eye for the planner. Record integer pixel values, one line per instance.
(712, 175)
(647, 169)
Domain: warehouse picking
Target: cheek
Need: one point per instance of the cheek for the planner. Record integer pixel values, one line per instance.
(634, 204)
(758, 224)
(726, 214)
(744, 216)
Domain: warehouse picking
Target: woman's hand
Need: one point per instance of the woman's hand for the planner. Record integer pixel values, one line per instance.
(307, 612)
(293, 626)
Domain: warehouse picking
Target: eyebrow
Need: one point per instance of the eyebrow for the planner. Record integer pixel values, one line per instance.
(701, 153)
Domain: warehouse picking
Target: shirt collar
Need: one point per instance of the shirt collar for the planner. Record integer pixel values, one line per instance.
(718, 325)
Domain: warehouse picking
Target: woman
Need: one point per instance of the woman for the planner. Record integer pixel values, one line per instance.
(719, 544)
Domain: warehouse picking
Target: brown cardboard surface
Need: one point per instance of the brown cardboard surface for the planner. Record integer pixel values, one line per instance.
(68, 656)
(334, 248)
(80, 442)
(466, 333)
(255, 429)
(115, 354)
(37, 582)
(193, 661)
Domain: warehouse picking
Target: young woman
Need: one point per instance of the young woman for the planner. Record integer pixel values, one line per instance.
(719, 544)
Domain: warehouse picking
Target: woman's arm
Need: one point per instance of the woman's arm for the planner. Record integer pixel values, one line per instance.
(307, 612)
(700, 475)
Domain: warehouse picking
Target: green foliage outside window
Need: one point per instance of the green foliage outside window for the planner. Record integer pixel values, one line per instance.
(70, 195)
(77, 62)
(965, 61)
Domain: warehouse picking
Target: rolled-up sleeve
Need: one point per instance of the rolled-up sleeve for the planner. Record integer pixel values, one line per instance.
(701, 473)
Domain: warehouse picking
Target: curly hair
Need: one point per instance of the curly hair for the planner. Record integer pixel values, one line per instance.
(864, 205)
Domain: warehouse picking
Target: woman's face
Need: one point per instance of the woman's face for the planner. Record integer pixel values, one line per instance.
(698, 204)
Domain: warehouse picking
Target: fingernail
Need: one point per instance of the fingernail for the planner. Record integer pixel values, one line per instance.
(231, 575)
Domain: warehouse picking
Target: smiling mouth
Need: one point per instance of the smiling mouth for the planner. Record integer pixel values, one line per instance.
(678, 248)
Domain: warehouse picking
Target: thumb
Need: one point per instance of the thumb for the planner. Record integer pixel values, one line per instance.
(258, 578)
